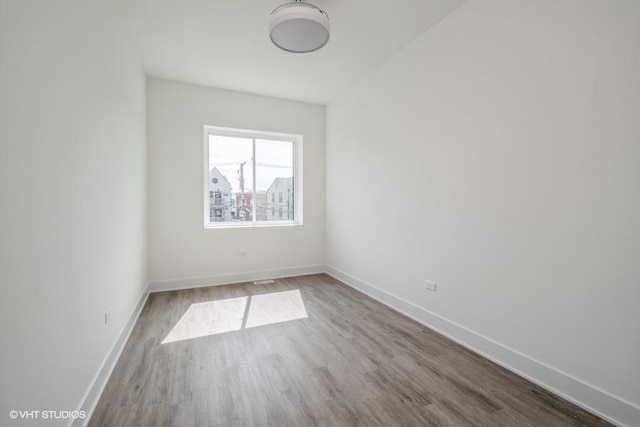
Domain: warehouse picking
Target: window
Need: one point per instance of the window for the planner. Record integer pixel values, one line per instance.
(243, 172)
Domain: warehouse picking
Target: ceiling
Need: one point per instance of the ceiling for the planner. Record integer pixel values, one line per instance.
(225, 43)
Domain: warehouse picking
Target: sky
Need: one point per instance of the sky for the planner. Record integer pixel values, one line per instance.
(274, 159)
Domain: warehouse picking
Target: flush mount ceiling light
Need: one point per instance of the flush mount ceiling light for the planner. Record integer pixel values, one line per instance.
(299, 27)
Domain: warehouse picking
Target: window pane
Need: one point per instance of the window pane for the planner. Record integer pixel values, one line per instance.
(230, 179)
(274, 180)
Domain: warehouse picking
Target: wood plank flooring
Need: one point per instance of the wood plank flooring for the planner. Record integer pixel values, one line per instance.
(308, 351)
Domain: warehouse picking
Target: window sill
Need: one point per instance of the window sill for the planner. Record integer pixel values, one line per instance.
(264, 224)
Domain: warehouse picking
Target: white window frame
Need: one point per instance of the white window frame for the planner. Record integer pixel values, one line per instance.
(297, 176)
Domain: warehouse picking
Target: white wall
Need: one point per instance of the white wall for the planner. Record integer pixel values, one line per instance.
(72, 194)
(179, 246)
(506, 143)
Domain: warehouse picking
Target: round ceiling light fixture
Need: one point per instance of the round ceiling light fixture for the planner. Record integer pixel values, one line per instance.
(299, 27)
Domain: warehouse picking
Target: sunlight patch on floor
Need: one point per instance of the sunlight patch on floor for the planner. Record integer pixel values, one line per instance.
(234, 314)
(277, 307)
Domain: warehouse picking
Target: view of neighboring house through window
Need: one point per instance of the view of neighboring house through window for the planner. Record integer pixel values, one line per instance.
(245, 172)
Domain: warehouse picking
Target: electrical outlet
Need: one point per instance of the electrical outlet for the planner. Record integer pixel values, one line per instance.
(107, 316)
(431, 286)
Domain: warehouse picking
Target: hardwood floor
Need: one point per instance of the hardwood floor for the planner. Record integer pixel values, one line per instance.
(308, 351)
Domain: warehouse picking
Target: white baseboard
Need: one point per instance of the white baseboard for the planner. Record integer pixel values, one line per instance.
(227, 279)
(587, 396)
(93, 393)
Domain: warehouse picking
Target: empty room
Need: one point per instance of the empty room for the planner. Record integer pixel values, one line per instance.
(320, 213)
